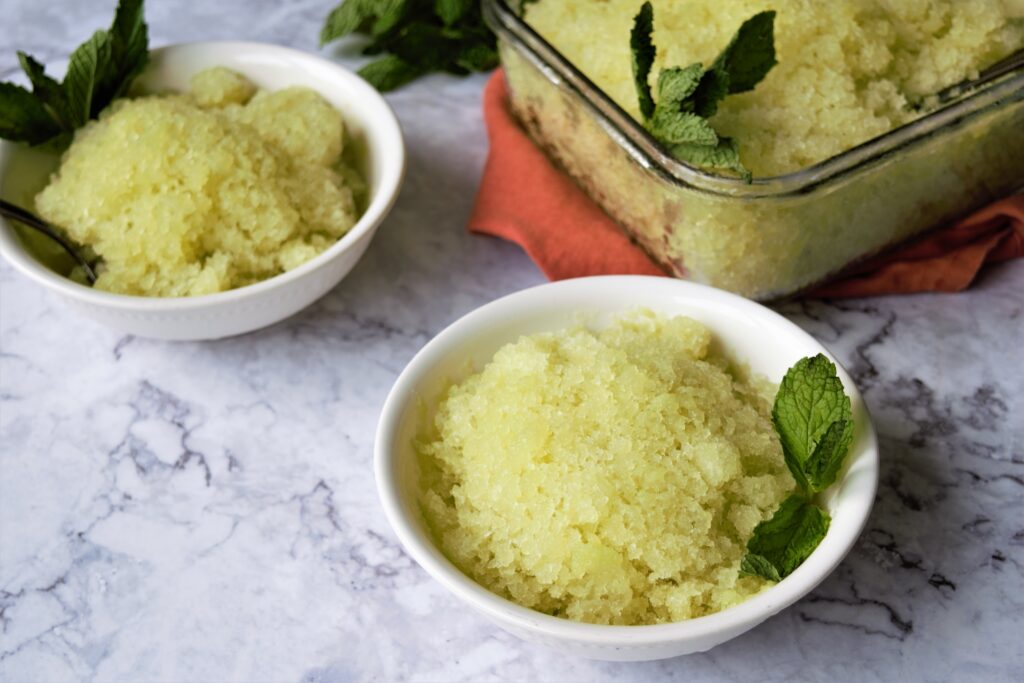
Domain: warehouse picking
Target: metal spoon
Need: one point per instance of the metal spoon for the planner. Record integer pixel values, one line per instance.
(33, 221)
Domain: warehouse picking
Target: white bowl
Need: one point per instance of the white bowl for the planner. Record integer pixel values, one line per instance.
(753, 333)
(373, 129)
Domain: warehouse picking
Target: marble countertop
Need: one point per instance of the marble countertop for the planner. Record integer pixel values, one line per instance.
(206, 511)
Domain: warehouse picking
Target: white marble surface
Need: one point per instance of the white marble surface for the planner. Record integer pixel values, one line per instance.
(206, 512)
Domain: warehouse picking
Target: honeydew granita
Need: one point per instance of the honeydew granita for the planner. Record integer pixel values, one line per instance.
(610, 476)
(847, 71)
(205, 191)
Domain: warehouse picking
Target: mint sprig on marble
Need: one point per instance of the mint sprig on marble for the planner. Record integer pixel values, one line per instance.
(415, 37)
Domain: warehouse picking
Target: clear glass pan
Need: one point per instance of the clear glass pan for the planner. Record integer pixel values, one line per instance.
(775, 236)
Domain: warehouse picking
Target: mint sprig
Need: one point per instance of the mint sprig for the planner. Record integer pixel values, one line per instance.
(750, 55)
(100, 70)
(688, 97)
(814, 421)
(416, 37)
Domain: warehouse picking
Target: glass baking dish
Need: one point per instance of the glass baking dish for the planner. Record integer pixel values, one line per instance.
(776, 236)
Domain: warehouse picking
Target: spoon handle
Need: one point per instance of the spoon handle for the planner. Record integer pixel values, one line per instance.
(28, 218)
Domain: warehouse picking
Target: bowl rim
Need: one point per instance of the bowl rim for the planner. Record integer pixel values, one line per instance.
(743, 615)
(393, 168)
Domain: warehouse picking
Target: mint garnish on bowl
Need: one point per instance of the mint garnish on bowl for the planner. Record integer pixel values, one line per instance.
(100, 70)
(814, 421)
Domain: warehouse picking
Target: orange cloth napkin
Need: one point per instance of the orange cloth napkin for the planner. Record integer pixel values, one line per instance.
(525, 199)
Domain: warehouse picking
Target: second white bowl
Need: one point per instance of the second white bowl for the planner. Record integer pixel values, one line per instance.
(372, 127)
(769, 343)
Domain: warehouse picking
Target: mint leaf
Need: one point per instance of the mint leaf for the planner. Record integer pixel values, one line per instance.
(428, 45)
(756, 565)
(100, 70)
(390, 14)
(676, 84)
(23, 118)
(450, 11)
(809, 401)
(750, 55)
(83, 73)
(713, 87)
(823, 465)
(642, 49)
(348, 17)
(389, 72)
(478, 57)
(781, 544)
(675, 128)
(103, 67)
(129, 52)
(725, 154)
(47, 90)
(373, 17)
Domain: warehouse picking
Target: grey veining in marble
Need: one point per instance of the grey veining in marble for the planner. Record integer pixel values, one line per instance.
(206, 512)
